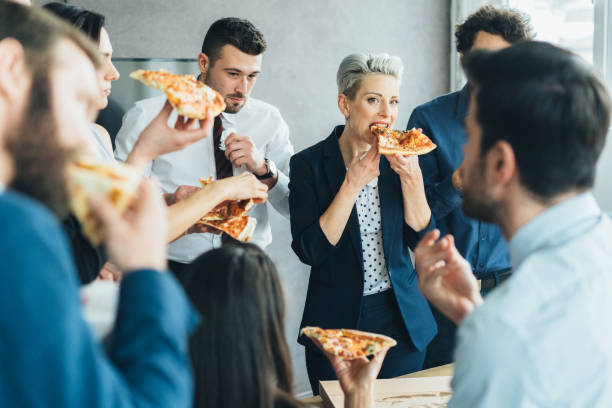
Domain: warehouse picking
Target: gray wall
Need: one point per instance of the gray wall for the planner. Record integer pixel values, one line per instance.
(306, 41)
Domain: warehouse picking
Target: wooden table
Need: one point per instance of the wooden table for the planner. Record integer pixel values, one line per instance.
(445, 370)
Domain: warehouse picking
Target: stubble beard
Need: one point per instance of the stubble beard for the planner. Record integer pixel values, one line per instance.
(477, 202)
(39, 159)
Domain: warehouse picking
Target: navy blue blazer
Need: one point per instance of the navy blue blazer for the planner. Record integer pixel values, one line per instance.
(481, 243)
(48, 355)
(335, 288)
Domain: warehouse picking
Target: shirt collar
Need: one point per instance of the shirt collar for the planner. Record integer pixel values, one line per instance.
(551, 225)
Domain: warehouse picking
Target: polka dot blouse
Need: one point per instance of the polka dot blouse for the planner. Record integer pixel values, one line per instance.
(376, 277)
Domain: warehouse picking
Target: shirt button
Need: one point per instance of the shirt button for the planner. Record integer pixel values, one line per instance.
(483, 238)
(480, 265)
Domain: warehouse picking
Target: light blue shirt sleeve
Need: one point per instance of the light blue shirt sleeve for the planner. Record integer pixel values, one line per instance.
(490, 360)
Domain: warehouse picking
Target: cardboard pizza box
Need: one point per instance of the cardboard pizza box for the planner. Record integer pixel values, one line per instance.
(434, 392)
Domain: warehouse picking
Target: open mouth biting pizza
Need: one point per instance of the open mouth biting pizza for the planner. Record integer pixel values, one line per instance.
(230, 217)
(115, 181)
(186, 94)
(406, 143)
(349, 344)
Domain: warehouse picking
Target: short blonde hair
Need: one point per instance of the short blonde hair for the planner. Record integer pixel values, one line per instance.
(355, 66)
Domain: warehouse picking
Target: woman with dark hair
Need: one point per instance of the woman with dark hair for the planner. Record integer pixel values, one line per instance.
(240, 354)
(156, 139)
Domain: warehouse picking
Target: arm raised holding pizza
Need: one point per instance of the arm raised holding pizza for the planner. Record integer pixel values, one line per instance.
(188, 204)
(417, 213)
(158, 138)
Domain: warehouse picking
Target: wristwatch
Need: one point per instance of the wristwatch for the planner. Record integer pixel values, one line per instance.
(271, 170)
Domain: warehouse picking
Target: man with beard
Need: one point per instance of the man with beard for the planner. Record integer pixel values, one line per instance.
(48, 89)
(536, 126)
(256, 136)
(482, 244)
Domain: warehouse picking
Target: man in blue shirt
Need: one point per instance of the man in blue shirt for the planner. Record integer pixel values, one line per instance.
(441, 119)
(536, 125)
(48, 355)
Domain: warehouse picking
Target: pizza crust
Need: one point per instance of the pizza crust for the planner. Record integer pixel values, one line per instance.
(115, 181)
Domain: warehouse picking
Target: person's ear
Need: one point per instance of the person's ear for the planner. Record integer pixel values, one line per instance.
(501, 163)
(13, 70)
(343, 105)
(203, 63)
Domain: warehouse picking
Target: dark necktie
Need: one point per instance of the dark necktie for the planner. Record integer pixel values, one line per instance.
(223, 165)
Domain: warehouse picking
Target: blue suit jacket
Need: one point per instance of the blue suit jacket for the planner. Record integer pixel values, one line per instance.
(48, 355)
(335, 288)
(481, 243)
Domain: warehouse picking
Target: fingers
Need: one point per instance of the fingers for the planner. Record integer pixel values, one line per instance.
(103, 210)
(207, 124)
(430, 238)
(165, 112)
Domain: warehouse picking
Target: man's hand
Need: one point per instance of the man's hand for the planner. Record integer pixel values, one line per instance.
(356, 377)
(158, 138)
(240, 150)
(136, 239)
(445, 277)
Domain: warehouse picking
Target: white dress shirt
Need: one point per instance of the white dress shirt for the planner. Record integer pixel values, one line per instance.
(376, 277)
(258, 120)
(544, 337)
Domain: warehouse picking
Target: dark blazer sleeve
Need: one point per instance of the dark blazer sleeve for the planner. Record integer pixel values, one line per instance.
(308, 240)
(88, 259)
(442, 195)
(49, 350)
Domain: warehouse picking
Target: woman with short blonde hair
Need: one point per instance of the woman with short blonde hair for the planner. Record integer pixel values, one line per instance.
(354, 216)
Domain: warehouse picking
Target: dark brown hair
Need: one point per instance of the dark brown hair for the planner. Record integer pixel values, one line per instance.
(239, 353)
(550, 106)
(238, 32)
(38, 31)
(512, 25)
(87, 21)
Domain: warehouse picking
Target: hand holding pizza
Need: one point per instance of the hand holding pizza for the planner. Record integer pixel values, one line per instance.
(445, 277)
(158, 138)
(362, 170)
(137, 239)
(240, 150)
(242, 187)
(356, 376)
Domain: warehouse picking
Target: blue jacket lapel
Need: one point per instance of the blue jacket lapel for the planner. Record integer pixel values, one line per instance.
(335, 172)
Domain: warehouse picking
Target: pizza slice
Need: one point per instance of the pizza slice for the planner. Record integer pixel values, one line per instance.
(404, 142)
(349, 344)
(186, 94)
(230, 217)
(115, 181)
(240, 228)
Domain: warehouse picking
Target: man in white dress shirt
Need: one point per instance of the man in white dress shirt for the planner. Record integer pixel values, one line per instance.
(253, 133)
(536, 125)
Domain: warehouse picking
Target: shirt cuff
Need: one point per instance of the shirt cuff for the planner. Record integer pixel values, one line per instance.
(279, 194)
(413, 237)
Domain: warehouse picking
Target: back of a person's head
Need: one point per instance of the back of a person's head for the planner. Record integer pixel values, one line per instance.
(512, 25)
(39, 32)
(87, 21)
(550, 106)
(237, 32)
(239, 353)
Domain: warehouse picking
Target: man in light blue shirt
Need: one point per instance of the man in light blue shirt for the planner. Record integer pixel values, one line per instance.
(536, 126)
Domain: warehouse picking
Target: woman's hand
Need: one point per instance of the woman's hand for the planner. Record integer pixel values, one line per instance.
(362, 170)
(417, 213)
(242, 187)
(356, 377)
(408, 169)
